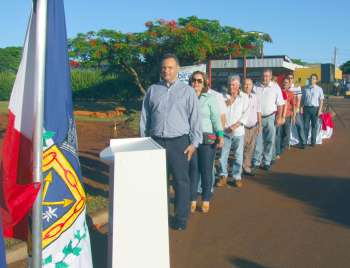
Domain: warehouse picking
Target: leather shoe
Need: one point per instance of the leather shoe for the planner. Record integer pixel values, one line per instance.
(251, 173)
(222, 181)
(177, 226)
(205, 206)
(238, 184)
(193, 206)
(266, 167)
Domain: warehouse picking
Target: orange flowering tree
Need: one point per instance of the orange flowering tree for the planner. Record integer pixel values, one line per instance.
(137, 55)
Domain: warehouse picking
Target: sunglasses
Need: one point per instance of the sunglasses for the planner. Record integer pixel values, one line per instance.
(199, 81)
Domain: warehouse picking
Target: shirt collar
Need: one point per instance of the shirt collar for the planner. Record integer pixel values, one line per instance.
(168, 85)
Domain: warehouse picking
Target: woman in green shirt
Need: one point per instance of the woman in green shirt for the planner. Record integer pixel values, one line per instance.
(202, 163)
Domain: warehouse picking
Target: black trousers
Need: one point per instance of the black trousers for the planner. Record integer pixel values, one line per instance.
(311, 115)
(179, 167)
(202, 164)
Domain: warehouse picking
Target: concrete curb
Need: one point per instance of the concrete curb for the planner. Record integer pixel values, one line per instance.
(19, 252)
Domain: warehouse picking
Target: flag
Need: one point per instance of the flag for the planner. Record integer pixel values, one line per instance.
(327, 125)
(65, 235)
(2, 249)
(18, 191)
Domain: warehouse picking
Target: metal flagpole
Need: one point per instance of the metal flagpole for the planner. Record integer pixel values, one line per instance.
(40, 9)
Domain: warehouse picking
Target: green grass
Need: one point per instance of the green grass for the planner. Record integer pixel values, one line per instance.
(96, 203)
(4, 107)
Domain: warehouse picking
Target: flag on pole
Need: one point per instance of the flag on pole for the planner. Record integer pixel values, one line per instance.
(18, 191)
(65, 236)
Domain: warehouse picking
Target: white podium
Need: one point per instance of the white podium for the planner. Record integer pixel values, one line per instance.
(138, 204)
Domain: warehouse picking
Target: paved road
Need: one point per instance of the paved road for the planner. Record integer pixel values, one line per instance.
(296, 215)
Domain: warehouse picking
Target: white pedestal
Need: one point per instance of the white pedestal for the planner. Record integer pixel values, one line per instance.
(138, 204)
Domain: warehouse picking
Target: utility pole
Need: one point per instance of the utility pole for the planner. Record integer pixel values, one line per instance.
(335, 60)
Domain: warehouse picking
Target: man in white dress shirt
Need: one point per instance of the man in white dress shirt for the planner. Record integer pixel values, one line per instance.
(272, 102)
(236, 118)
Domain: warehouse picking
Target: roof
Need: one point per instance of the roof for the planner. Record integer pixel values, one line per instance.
(281, 61)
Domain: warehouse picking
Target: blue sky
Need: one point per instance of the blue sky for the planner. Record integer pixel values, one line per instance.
(306, 29)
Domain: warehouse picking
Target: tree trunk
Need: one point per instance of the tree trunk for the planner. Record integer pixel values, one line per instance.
(136, 77)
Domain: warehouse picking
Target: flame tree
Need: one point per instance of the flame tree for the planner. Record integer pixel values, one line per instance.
(137, 55)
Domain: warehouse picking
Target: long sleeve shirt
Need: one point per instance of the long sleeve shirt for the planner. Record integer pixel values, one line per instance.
(312, 96)
(237, 112)
(170, 112)
(254, 110)
(210, 114)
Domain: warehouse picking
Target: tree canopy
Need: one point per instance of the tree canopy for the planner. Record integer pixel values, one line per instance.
(137, 55)
(10, 58)
(346, 67)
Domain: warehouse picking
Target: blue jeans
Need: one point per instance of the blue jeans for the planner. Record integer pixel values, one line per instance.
(237, 144)
(282, 137)
(202, 165)
(265, 142)
(199, 188)
(299, 123)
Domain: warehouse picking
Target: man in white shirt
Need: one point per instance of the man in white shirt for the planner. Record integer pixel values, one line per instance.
(236, 118)
(252, 127)
(272, 102)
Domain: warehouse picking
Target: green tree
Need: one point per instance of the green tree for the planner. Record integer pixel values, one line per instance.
(10, 58)
(346, 67)
(137, 55)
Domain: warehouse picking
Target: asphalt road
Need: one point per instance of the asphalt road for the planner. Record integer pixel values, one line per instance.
(296, 215)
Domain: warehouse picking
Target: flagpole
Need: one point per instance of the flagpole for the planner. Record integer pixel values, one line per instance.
(40, 9)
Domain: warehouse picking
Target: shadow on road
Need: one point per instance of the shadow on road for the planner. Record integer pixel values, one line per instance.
(244, 263)
(328, 196)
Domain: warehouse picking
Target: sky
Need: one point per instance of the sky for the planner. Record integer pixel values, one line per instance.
(303, 29)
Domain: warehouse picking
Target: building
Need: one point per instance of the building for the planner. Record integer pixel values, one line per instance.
(219, 70)
(327, 73)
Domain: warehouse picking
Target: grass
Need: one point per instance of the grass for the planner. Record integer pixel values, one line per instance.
(4, 107)
(96, 203)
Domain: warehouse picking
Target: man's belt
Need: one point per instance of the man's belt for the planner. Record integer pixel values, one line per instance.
(265, 116)
(251, 126)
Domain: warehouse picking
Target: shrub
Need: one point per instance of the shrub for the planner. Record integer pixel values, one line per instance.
(7, 80)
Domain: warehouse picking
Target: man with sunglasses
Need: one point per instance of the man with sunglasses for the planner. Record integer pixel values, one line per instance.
(170, 115)
(297, 119)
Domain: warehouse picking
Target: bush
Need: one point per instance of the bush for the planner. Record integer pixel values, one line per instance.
(7, 80)
(94, 85)
(86, 85)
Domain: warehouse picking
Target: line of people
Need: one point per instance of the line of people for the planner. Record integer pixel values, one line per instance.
(193, 122)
